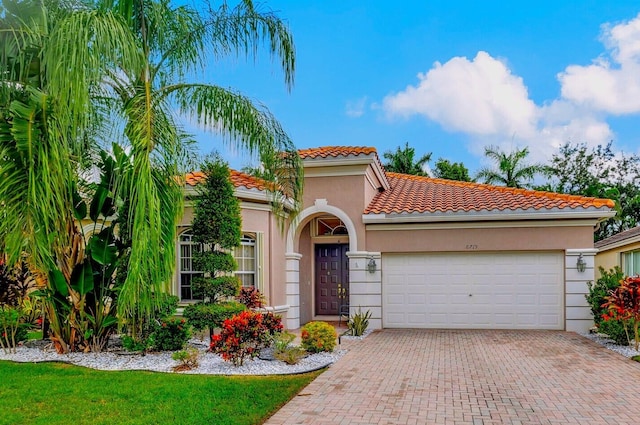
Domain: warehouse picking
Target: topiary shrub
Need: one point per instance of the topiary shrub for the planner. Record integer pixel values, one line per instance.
(209, 316)
(318, 337)
(171, 334)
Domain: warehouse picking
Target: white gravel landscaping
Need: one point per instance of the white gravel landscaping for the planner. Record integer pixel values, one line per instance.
(210, 363)
(604, 340)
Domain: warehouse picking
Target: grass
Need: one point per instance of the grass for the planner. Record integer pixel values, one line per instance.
(58, 393)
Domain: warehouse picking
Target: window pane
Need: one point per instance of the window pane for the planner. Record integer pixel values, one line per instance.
(636, 263)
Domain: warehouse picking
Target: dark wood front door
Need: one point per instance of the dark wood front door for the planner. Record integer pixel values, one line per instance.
(332, 278)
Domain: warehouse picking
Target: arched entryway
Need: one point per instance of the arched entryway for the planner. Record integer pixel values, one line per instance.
(317, 263)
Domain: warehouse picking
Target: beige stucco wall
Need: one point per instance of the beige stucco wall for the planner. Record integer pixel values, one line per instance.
(613, 257)
(479, 239)
(344, 192)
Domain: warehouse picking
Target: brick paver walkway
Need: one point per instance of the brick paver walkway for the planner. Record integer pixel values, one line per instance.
(471, 377)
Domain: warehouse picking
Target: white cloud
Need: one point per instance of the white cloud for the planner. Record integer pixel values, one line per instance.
(484, 99)
(480, 97)
(356, 108)
(610, 84)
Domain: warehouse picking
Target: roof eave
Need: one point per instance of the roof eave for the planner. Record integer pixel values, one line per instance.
(360, 159)
(620, 243)
(594, 214)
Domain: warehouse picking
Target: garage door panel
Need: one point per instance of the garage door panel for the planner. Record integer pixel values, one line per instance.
(480, 290)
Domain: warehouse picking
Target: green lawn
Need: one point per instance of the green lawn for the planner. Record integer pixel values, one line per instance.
(56, 393)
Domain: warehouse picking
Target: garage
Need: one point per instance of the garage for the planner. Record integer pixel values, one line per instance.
(493, 290)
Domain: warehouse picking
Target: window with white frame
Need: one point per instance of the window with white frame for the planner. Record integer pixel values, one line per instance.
(246, 257)
(631, 263)
(186, 270)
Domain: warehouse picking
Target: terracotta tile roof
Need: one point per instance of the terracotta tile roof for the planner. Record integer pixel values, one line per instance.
(335, 151)
(618, 237)
(238, 179)
(414, 194)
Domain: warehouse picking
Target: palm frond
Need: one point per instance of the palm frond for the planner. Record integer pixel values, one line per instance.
(255, 129)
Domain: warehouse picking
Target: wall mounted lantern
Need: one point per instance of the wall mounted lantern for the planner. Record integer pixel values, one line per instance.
(371, 265)
(581, 264)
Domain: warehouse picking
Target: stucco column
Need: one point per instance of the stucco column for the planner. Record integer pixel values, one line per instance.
(578, 316)
(365, 288)
(292, 271)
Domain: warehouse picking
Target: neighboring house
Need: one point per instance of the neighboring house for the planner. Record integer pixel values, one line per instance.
(622, 249)
(415, 251)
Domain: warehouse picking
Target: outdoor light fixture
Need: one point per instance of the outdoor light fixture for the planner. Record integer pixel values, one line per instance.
(371, 265)
(581, 264)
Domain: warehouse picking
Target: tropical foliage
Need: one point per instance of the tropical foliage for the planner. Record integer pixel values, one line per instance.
(510, 169)
(404, 161)
(73, 71)
(244, 335)
(599, 172)
(623, 304)
(444, 169)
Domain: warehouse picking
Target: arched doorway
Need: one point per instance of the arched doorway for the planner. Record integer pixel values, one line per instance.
(318, 264)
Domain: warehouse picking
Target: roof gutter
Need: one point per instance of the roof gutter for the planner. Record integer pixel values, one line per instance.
(597, 215)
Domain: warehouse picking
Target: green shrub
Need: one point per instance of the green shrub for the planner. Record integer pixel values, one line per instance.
(188, 359)
(599, 291)
(171, 334)
(358, 322)
(12, 329)
(615, 330)
(318, 337)
(142, 339)
(137, 344)
(215, 289)
(209, 316)
(284, 351)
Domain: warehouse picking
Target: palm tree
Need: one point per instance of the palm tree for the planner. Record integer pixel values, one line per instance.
(70, 70)
(511, 171)
(175, 43)
(47, 120)
(402, 161)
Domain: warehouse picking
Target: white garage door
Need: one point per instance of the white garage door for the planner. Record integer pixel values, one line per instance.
(511, 290)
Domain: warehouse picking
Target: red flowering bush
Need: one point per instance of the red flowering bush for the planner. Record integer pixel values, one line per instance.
(251, 297)
(244, 335)
(318, 336)
(171, 334)
(624, 304)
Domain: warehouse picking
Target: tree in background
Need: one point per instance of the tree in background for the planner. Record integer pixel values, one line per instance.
(444, 169)
(510, 169)
(176, 42)
(403, 161)
(217, 226)
(599, 172)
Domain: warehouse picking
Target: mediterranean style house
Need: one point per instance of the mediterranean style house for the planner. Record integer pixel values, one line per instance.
(417, 252)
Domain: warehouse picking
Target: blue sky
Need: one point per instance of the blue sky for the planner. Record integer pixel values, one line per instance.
(451, 77)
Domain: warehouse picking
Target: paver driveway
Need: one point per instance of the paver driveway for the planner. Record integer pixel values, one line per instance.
(471, 377)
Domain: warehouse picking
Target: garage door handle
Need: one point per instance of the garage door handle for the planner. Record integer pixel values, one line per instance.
(470, 295)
